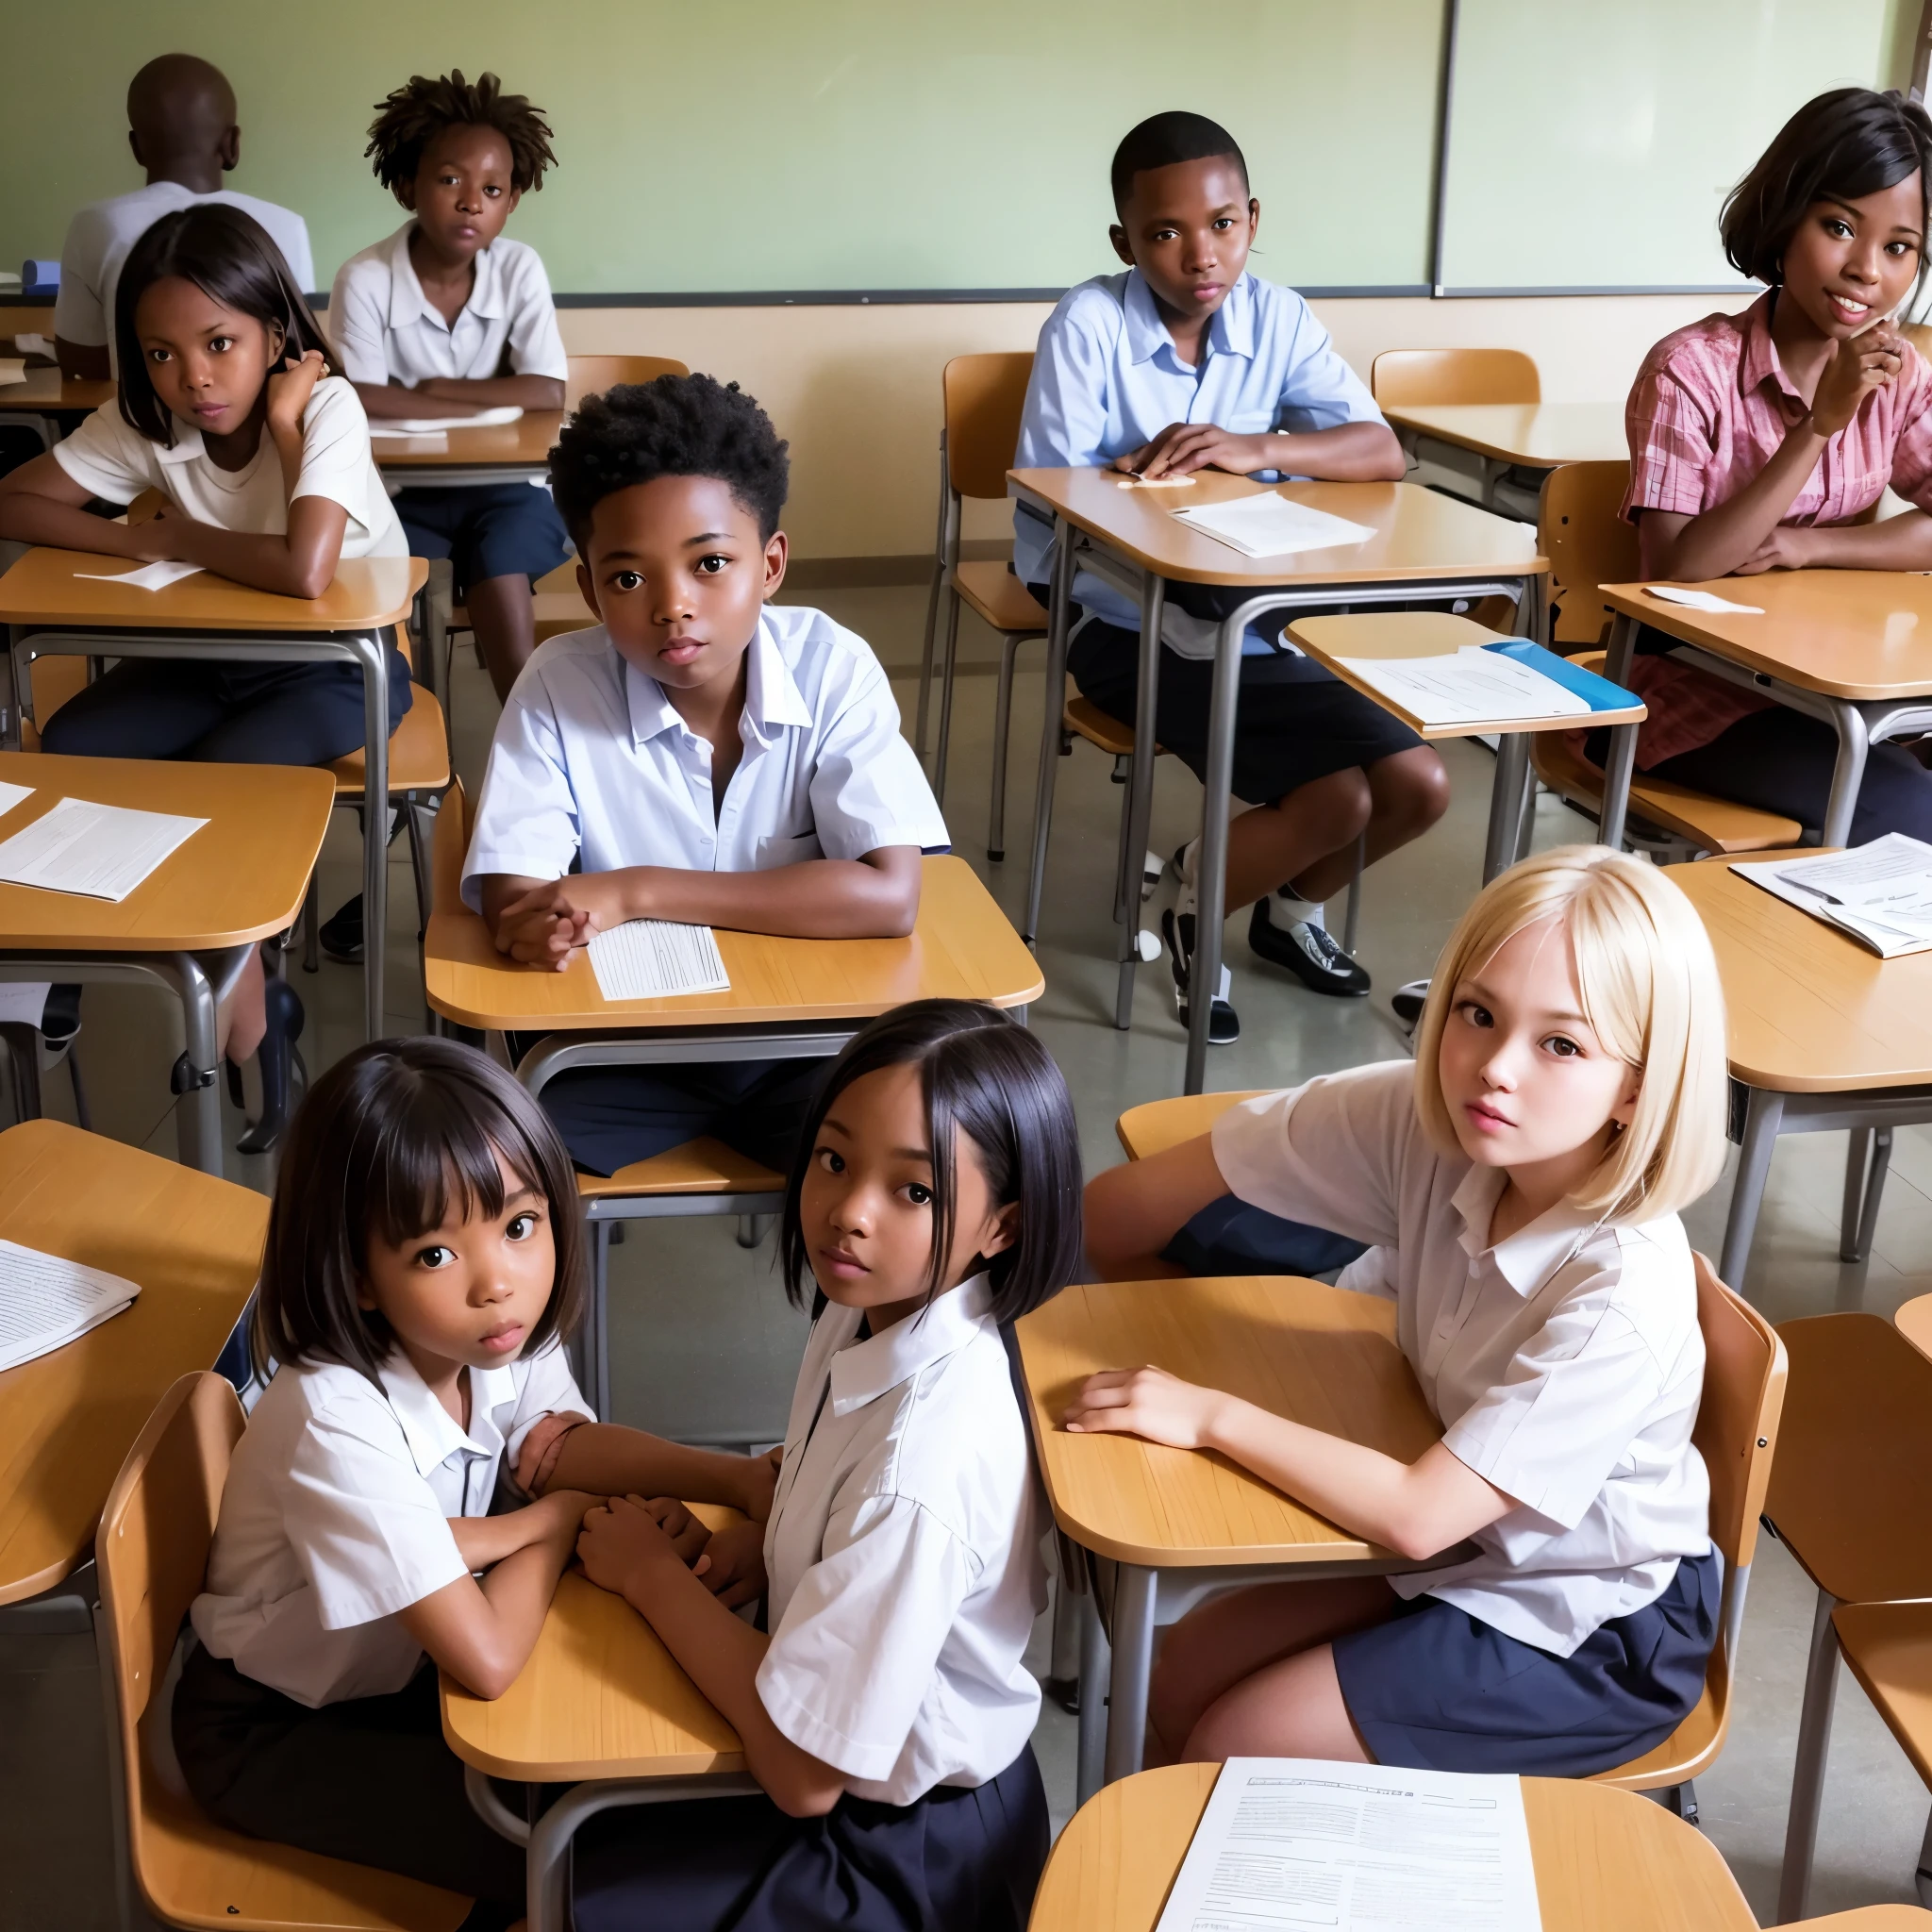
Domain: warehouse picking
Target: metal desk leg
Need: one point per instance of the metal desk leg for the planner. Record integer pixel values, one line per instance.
(1505, 803)
(1095, 1671)
(198, 1113)
(370, 650)
(1808, 1775)
(1059, 613)
(1141, 796)
(1623, 648)
(1211, 870)
(1763, 1114)
(1617, 765)
(1848, 775)
(1133, 1665)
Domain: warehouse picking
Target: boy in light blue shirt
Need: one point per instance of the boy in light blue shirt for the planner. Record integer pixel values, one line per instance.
(1184, 362)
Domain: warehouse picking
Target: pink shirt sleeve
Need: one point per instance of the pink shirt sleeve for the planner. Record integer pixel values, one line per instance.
(1911, 454)
(1672, 420)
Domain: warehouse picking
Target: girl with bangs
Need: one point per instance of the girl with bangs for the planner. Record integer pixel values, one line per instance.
(1520, 1185)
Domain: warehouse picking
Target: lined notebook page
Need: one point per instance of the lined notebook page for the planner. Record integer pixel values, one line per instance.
(654, 960)
(46, 1302)
(1468, 687)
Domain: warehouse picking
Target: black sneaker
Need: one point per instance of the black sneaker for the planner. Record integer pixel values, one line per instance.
(1407, 1003)
(1308, 952)
(1223, 1024)
(342, 933)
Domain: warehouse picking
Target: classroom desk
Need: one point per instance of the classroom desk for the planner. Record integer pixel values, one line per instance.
(1180, 1525)
(1606, 1861)
(1511, 436)
(38, 402)
(67, 1420)
(1822, 1035)
(502, 453)
(51, 610)
(1853, 647)
(1427, 548)
(603, 1707)
(190, 922)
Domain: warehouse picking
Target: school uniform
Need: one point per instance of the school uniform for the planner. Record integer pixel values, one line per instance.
(240, 713)
(903, 1551)
(1106, 379)
(101, 235)
(592, 767)
(1566, 1365)
(387, 330)
(306, 1713)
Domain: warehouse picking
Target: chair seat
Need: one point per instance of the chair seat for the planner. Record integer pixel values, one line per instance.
(1089, 722)
(1889, 1647)
(418, 752)
(1688, 1751)
(999, 599)
(702, 1166)
(1716, 825)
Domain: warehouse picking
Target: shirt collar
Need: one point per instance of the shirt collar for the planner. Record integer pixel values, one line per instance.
(864, 1370)
(1759, 363)
(430, 1429)
(1532, 1254)
(772, 696)
(1231, 332)
(407, 302)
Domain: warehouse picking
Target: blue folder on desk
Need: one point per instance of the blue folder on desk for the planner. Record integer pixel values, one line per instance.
(1599, 694)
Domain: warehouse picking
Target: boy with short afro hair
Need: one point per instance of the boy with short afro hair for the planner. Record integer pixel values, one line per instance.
(705, 755)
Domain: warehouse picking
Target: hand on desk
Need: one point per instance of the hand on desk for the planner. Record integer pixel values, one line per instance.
(1182, 448)
(1144, 1402)
(550, 922)
(1788, 547)
(624, 1549)
(733, 1564)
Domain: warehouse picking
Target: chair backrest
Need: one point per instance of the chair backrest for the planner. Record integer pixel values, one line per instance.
(1745, 1369)
(455, 818)
(984, 398)
(1155, 1125)
(1587, 543)
(1422, 376)
(591, 376)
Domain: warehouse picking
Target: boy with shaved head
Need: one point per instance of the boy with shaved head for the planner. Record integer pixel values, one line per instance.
(181, 127)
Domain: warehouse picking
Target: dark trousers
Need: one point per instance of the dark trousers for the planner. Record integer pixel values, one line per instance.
(1229, 1237)
(955, 1861)
(370, 1780)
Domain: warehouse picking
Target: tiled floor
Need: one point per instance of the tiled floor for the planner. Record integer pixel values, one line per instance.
(703, 1340)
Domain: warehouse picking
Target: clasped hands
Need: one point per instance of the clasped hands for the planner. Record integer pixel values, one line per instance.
(1182, 448)
(553, 921)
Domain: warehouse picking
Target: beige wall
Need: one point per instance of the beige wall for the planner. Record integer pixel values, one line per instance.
(855, 390)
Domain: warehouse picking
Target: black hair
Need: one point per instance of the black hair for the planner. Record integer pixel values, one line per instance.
(676, 425)
(416, 113)
(232, 258)
(1161, 141)
(1844, 144)
(993, 1081)
(387, 1140)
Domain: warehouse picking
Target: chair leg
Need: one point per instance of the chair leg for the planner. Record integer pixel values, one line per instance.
(1096, 1669)
(83, 1117)
(596, 1324)
(311, 926)
(932, 600)
(1002, 720)
(1867, 1161)
(23, 1044)
(947, 666)
(418, 816)
(1921, 1878)
(752, 1229)
(1680, 1801)
(1764, 1113)
(1353, 917)
(1807, 1776)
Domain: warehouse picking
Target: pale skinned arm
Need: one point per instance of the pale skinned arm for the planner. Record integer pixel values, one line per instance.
(1133, 1211)
(459, 395)
(1349, 453)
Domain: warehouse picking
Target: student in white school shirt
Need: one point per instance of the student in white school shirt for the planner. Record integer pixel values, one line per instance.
(702, 754)
(1520, 1185)
(181, 127)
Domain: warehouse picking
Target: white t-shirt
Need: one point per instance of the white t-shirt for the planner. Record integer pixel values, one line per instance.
(1565, 1364)
(904, 1554)
(101, 235)
(336, 1513)
(387, 330)
(111, 460)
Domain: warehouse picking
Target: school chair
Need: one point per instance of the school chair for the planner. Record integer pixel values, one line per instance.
(152, 1557)
(1888, 1648)
(984, 398)
(1420, 377)
(1850, 1491)
(591, 376)
(1157, 1125)
(1913, 1319)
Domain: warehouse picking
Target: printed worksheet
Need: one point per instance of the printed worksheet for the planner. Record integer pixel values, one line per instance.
(655, 959)
(98, 851)
(46, 1301)
(12, 795)
(1468, 687)
(1701, 600)
(1273, 526)
(151, 577)
(1880, 893)
(1292, 1844)
(425, 425)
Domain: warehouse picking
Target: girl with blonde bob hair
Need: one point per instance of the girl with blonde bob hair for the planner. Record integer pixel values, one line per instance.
(1517, 1189)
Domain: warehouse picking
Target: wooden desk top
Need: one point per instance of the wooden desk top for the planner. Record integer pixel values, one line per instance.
(1606, 1861)
(241, 877)
(961, 948)
(1332, 641)
(1864, 634)
(68, 1419)
(1852, 1482)
(46, 390)
(1418, 533)
(600, 1697)
(523, 444)
(1539, 435)
(1810, 1009)
(43, 587)
(1319, 1355)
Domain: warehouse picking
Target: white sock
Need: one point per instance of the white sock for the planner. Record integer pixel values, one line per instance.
(1285, 909)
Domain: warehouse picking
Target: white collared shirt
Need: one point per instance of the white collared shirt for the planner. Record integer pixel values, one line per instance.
(336, 1515)
(1565, 1363)
(590, 756)
(100, 236)
(387, 330)
(904, 1554)
(111, 460)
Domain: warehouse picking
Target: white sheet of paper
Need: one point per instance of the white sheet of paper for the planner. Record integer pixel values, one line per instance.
(422, 426)
(655, 959)
(1297, 1842)
(151, 577)
(1157, 482)
(24, 1003)
(403, 445)
(1271, 525)
(99, 851)
(12, 795)
(1471, 685)
(1880, 893)
(46, 1302)
(1701, 600)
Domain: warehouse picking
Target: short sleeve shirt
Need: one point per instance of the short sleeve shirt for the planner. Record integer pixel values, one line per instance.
(1565, 1363)
(111, 460)
(335, 1517)
(904, 1554)
(592, 758)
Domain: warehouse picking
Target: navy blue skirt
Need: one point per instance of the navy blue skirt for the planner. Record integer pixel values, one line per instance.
(493, 530)
(1437, 1690)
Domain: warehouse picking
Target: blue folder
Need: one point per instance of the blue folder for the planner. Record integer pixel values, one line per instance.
(1598, 693)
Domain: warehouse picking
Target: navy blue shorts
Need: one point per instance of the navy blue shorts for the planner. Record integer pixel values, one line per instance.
(1437, 1690)
(497, 530)
(1229, 1237)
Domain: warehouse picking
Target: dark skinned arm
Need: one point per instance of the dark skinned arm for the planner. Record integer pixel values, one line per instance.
(567, 1452)
(1349, 453)
(458, 396)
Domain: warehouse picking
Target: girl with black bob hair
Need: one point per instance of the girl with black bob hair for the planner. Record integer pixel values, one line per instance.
(887, 1714)
(1760, 442)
